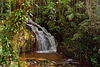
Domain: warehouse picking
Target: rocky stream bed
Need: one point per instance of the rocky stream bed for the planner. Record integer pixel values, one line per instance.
(49, 60)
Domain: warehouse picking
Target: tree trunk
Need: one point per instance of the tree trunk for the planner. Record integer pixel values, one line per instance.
(2, 7)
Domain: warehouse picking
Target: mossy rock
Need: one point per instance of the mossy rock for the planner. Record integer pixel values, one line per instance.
(66, 51)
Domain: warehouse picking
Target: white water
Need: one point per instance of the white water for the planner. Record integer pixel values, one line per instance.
(45, 41)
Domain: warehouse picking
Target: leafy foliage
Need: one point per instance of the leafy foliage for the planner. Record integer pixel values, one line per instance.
(88, 42)
(67, 20)
(14, 24)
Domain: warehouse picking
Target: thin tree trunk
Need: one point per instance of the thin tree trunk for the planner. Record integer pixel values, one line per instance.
(2, 7)
(32, 10)
(10, 7)
(88, 6)
(37, 8)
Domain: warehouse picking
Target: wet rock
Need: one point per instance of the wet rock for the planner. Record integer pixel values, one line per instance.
(47, 63)
(62, 64)
(59, 63)
(68, 61)
(53, 62)
(71, 61)
(31, 63)
(75, 63)
(67, 65)
(66, 52)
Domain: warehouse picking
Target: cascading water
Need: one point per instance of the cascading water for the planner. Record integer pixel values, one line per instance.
(45, 41)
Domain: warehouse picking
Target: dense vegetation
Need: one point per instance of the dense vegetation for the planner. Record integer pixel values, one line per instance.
(74, 23)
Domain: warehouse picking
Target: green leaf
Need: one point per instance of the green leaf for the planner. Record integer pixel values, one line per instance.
(67, 12)
(45, 12)
(78, 15)
(95, 38)
(70, 16)
(0, 58)
(20, 18)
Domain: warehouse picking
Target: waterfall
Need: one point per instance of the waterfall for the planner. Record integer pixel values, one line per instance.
(45, 41)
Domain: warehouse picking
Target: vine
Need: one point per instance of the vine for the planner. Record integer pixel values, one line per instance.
(13, 27)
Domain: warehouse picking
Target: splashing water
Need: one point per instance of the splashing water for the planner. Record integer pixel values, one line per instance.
(45, 41)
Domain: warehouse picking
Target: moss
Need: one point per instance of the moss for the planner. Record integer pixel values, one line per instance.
(27, 40)
(66, 51)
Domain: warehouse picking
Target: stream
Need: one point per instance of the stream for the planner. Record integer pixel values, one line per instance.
(34, 59)
(46, 55)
